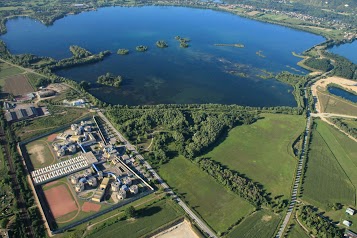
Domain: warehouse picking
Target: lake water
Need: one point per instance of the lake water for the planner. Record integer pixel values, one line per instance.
(348, 51)
(342, 93)
(202, 73)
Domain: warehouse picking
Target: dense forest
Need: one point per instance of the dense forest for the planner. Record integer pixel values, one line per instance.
(319, 64)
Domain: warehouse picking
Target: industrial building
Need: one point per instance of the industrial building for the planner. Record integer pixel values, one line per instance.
(22, 113)
(98, 195)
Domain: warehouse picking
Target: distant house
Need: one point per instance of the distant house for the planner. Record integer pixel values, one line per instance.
(350, 211)
(350, 234)
(347, 223)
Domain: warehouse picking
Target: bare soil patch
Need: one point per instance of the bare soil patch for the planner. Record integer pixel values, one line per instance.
(60, 201)
(266, 218)
(17, 85)
(38, 152)
(52, 137)
(182, 230)
(88, 207)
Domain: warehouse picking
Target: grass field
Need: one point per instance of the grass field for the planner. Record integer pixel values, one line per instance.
(334, 104)
(217, 206)
(40, 154)
(59, 116)
(331, 176)
(263, 151)
(8, 70)
(297, 232)
(261, 224)
(149, 219)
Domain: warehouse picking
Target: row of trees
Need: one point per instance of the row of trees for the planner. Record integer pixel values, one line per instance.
(318, 225)
(343, 67)
(345, 127)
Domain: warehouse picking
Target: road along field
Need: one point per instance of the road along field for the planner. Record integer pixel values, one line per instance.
(60, 201)
(219, 207)
(331, 175)
(263, 151)
(17, 85)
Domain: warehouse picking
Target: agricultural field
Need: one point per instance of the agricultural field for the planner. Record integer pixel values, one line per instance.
(149, 218)
(334, 104)
(262, 224)
(208, 198)
(331, 175)
(263, 151)
(17, 85)
(7, 70)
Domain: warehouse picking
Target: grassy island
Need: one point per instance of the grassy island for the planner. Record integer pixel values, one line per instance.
(110, 80)
(161, 44)
(123, 52)
(142, 48)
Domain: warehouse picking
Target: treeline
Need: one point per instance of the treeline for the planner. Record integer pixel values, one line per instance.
(298, 82)
(239, 184)
(110, 80)
(25, 191)
(317, 224)
(319, 64)
(345, 127)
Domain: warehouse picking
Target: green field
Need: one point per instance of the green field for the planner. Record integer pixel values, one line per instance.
(217, 206)
(297, 232)
(262, 224)
(331, 175)
(149, 219)
(6, 71)
(263, 151)
(59, 116)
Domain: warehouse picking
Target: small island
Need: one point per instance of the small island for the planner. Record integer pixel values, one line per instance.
(110, 80)
(232, 45)
(183, 41)
(123, 52)
(161, 44)
(260, 54)
(142, 48)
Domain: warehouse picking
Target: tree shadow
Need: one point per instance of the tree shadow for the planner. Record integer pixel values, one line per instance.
(147, 212)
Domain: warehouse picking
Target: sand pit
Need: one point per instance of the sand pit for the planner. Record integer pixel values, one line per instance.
(52, 137)
(182, 230)
(89, 207)
(60, 201)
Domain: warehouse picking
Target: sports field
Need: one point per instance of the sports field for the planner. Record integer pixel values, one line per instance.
(60, 201)
(263, 151)
(148, 219)
(260, 224)
(219, 207)
(331, 175)
(40, 154)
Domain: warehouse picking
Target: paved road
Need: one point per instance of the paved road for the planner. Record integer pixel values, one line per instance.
(298, 174)
(166, 187)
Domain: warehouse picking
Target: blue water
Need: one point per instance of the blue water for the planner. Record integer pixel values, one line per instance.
(342, 93)
(348, 51)
(202, 73)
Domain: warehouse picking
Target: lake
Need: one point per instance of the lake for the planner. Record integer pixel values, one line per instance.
(348, 51)
(202, 73)
(343, 93)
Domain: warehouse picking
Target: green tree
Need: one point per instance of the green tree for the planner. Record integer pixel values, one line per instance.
(130, 212)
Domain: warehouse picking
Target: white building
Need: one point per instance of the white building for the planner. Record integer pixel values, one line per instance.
(350, 211)
(347, 223)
